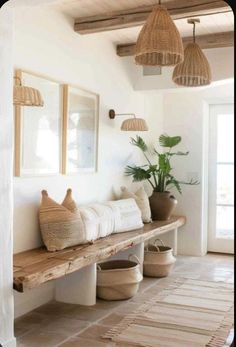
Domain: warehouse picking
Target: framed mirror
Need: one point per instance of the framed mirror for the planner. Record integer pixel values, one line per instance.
(38, 130)
(80, 130)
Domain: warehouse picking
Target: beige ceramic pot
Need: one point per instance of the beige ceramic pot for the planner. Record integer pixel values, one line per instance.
(118, 279)
(162, 205)
(158, 260)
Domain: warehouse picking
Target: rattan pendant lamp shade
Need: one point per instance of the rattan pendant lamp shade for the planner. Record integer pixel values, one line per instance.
(159, 42)
(134, 124)
(195, 70)
(26, 96)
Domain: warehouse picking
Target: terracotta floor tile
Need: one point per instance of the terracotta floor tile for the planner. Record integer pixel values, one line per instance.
(37, 338)
(112, 319)
(85, 314)
(68, 326)
(95, 332)
(28, 322)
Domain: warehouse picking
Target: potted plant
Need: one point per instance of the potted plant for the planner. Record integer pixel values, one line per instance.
(159, 175)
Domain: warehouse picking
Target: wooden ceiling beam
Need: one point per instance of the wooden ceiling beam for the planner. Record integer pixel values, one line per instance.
(137, 16)
(216, 40)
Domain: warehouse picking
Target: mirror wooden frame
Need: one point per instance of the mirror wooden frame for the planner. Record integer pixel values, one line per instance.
(63, 133)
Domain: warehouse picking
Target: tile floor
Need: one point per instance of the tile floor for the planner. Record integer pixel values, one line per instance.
(65, 325)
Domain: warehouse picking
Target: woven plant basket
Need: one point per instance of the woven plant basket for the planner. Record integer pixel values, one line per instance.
(158, 260)
(159, 42)
(118, 279)
(195, 70)
(27, 96)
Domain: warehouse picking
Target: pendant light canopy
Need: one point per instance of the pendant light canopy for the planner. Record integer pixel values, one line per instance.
(195, 70)
(159, 42)
(26, 96)
(130, 124)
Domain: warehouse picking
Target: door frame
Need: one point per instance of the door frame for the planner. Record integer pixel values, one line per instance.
(220, 245)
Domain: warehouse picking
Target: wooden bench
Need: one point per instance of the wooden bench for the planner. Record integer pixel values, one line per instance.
(38, 266)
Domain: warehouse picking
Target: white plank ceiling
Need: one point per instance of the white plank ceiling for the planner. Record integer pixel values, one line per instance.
(82, 8)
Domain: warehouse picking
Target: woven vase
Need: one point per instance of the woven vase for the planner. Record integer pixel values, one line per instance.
(195, 70)
(159, 42)
(26, 96)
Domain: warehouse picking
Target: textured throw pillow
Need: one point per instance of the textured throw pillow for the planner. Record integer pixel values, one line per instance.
(127, 215)
(61, 225)
(98, 220)
(142, 201)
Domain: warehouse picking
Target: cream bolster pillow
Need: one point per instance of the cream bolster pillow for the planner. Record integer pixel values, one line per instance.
(61, 225)
(142, 201)
(98, 220)
(101, 220)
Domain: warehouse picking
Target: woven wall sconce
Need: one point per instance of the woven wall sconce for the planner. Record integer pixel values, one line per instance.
(130, 124)
(195, 70)
(159, 42)
(26, 96)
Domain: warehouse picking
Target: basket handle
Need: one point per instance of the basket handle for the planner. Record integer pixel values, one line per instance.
(155, 244)
(135, 257)
(99, 267)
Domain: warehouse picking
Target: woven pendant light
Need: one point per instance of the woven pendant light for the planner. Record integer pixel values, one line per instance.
(159, 42)
(134, 124)
(195, 70)
(26, 96)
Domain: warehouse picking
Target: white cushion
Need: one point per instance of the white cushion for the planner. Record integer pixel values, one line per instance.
(128, 215)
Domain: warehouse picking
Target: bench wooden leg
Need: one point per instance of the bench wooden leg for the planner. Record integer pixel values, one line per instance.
(78, 288)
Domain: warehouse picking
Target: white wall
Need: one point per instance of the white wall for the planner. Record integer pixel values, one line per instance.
(6, 198)
(45, 43)
(221, 61)
(186, 114)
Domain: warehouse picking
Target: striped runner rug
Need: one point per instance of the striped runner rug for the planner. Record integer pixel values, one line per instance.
(188, 313)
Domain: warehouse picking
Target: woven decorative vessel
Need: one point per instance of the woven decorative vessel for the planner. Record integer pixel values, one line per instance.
(195, 70)
(27, 96)
(134, 124)
(158, 260)
(159, 42)
(118, 279)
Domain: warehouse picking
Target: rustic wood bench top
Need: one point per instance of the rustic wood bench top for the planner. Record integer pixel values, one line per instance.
(35, 267)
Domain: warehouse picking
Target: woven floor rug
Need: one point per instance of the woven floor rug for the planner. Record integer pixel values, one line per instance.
(188, 313)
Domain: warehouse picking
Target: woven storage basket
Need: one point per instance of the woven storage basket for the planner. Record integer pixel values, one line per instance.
(158, 260)
(195, 70)
(118, 279)
(159, 42)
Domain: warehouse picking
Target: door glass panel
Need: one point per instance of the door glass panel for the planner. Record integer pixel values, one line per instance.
(225, 138)
(225, 184)
(225, 222)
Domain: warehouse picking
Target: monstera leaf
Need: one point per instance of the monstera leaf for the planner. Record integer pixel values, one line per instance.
(168, 141)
